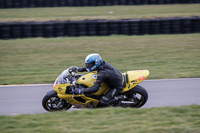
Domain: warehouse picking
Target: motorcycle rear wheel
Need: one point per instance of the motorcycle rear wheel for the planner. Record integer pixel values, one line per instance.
(136, 98)
(53, 103)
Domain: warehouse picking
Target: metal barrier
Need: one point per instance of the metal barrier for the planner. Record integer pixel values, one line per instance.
(60, 3)
(100, 27)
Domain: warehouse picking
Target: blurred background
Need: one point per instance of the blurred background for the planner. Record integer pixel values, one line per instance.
(41, 38)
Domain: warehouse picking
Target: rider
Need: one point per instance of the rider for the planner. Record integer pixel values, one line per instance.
(105, 73)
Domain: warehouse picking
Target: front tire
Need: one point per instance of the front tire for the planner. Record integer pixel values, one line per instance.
(51, 102)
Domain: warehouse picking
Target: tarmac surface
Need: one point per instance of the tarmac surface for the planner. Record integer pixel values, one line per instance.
(27, 99)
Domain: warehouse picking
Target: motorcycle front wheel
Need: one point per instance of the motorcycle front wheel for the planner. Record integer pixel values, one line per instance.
(51, 102)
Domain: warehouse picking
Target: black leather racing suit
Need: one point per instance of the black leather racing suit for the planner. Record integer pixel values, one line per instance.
(111, 76)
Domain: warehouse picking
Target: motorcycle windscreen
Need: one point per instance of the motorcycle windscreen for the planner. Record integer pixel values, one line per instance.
(62, 82)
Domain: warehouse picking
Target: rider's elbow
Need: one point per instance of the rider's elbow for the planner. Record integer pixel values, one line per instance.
(90, 90)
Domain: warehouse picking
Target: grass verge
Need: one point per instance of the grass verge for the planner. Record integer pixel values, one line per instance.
(184, 119)
(105, 12)
(41, 60)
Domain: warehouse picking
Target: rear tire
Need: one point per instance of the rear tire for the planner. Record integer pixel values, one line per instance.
(51, 102)
(138, 95)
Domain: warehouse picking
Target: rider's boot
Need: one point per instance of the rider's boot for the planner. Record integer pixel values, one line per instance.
(112, 102)
(115, 100)
(119, 98)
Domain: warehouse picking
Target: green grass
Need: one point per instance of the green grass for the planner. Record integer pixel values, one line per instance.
(41, 60)
(80, 13)
(184, 119)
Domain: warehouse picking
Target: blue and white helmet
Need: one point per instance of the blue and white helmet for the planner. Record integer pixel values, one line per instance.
(92, 61)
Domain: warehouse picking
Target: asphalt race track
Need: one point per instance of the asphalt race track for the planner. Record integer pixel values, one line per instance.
(27, 99)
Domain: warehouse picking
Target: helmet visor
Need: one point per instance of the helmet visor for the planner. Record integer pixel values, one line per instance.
(89, 65)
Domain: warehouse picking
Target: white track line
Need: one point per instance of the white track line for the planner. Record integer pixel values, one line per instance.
(150, 80)
(181, 79)
(24, 85)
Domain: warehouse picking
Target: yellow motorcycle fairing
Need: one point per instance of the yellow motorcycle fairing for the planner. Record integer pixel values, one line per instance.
(89, 80)
(60, 88)
(72, 99)
(61, 92)
(133, 78)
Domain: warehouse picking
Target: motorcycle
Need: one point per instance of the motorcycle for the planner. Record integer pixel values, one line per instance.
(62, 96)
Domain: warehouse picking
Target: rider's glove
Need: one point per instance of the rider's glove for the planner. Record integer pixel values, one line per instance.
(78, 91)
(75, 69)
